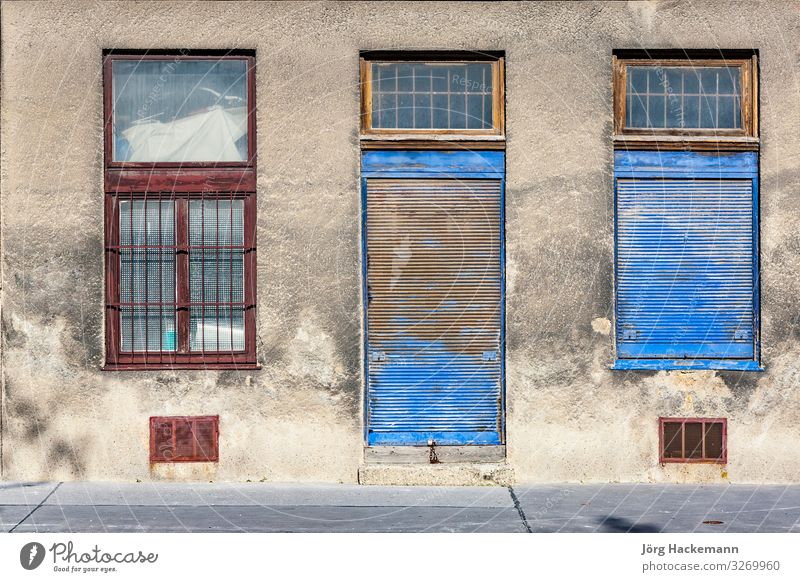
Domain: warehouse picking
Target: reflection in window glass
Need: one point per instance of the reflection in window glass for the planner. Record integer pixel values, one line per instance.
(683, 97)
(432, 96)
(175, 110)
(216, 275)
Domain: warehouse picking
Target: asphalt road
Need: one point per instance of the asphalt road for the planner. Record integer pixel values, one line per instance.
(261, 507)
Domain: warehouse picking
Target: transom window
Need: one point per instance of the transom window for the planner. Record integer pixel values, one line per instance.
(180, 237)
(702, 97)
(455, 97)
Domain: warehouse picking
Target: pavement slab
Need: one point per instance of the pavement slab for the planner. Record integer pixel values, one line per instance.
(270, 507)
(196, 494)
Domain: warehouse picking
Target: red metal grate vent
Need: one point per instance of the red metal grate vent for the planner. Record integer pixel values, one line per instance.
(177, 439)
(693, 440)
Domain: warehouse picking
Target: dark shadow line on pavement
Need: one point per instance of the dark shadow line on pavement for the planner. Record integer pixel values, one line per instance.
(37, 507)
(518, 507)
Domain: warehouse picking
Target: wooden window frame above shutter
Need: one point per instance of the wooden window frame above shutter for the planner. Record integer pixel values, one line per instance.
(699, 139)
(396, 138)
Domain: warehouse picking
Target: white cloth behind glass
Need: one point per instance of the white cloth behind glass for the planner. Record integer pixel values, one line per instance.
(203, 137)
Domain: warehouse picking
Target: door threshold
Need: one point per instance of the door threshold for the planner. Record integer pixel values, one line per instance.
(421, 455)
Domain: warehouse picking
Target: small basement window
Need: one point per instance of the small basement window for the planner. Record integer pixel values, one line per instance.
(693, 440)
(175, 439)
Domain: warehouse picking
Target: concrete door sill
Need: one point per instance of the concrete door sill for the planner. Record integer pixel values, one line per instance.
(421, 455)
(453, 474)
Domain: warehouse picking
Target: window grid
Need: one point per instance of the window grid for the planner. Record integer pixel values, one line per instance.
(429, 101)
(224, 294)
(137, 249)
(704, 98)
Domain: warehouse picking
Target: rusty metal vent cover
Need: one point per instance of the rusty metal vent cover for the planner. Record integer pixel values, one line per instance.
(693, 440)
(176, 439)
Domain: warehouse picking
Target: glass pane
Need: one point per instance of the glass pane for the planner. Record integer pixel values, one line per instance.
(175, 110)
(216, 329)
(488, 121)
(387, 106)
(422, 78)
(475, 111)
(147, 276)
(216, 275)
(439, 78)
(694, 440)
(656, 108)
(405, 110)
(708, 111)
(458, 79)
(432, 96)
(637, 80)
(727, 114)
(713, 440)
(672, 440)
(674, 81)
(387, 78)
(441, 109)
(691, 111)
(674, 111)
(691, 83)
(708, 80)
(458, 110)
(695, 97)
(727, 82)
(422, 111)
(405, 79)
(151, 322)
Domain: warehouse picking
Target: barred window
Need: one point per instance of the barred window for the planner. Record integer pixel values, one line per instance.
(148, 298)
(216, 275)
(180, 238)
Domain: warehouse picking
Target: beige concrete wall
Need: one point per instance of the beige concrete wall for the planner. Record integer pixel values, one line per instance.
(299, 418)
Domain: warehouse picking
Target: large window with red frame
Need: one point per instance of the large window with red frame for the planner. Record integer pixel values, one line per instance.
(180, 209)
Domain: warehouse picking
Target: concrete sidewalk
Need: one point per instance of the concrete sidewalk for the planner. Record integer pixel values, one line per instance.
(257, 507)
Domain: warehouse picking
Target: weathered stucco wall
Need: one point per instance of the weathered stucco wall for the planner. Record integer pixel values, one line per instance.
(299, 417)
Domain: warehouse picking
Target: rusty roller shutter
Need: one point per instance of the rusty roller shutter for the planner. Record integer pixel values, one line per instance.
(434, 310)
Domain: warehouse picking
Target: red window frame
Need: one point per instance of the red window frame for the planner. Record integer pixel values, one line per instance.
(178, 182)
(723, 459)
(157, 453)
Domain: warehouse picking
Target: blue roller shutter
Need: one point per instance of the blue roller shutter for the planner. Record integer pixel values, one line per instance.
(434, 307)
(685, 251)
